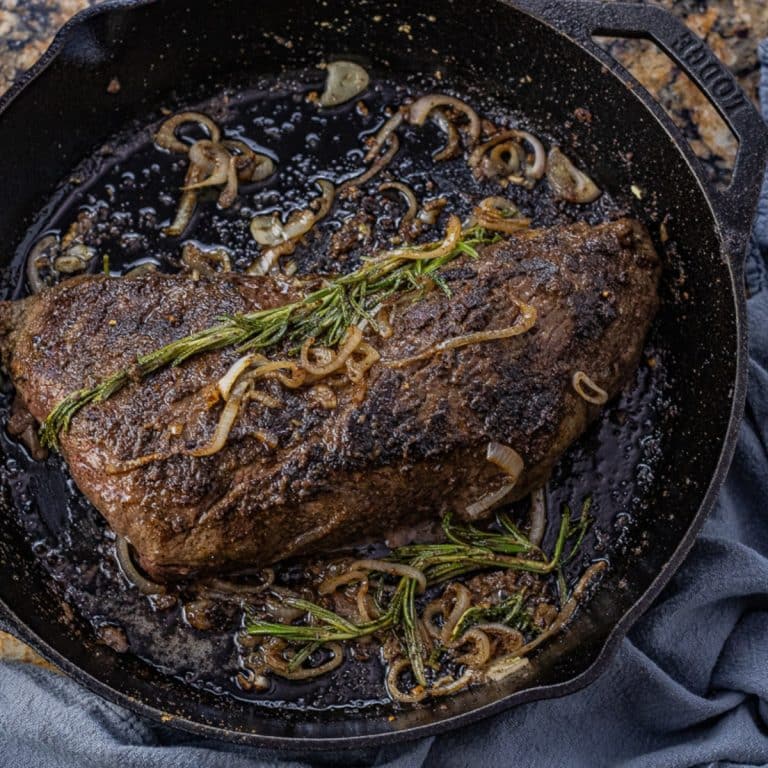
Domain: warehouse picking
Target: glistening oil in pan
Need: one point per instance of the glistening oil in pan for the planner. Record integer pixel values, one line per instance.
(117, 203)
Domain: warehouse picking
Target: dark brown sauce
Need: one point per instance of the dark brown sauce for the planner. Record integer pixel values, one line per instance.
(130, 190)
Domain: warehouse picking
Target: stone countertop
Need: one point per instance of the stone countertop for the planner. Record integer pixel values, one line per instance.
(732, 28)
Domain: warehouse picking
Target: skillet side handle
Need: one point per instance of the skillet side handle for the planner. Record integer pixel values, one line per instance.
(735, 206)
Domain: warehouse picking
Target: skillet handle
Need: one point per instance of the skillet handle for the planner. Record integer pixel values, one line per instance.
(735, 206)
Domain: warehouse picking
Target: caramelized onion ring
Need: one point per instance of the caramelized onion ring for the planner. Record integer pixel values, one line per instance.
(382, 161)
(229, 193)
(513, 638)
(452, 146)
(262, 368)
(532, 172)
(408, 195)
(431, 610)
(268, 230)
(496, 164)
(227, 381)
(251, 166)
(351, 340)
(593, 394)
(394, 569)
(420, 110)
(567, 181)
(332, 583)
(131, 572)
(414, 696)
(567, 611)
(479, 152)
(276, 662)
(528, 313)
(226, 422)
(488, 501)
(203, 260)
(365, 607)
(383, 135)
(481, 651)
(500, 215)
(451, 240)
(499, 669)
(462, 600)
(447, 686)
(505, 458)
(187, 204)
(41, 252)
(166, 135)
(356, 369)
(212, 159)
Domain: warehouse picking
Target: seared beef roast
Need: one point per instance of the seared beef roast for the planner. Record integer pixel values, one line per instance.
(301, 477)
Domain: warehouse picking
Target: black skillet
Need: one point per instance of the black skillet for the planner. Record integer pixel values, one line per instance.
(176, 49)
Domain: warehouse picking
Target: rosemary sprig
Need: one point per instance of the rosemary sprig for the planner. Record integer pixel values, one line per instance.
(509, 612)
(511, 542)
(302, 655)
(323, 315)
(413, 643)
(438, 562)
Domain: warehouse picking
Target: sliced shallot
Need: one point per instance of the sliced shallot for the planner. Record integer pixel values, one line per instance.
(383, 135)
(226, 421)
(345, 81)
(270, 231)
(395, 569)
(381, 162)
(453, 145)
(451, 240)
(499, 669)
(394, 673)
(488, 501)
(187, 204)
(166, 135)
(349, 344)
(500, 215)
(421, 109)
(40, 255)
(527, 313)
(567, 611)
(452, 613)
(131, 572)
(567, 181)
(408, 196)
(517, 165)
(251, 166)
(212, 160)
(587, 389)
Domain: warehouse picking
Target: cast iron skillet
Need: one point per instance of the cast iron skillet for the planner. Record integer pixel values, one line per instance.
(190, 48)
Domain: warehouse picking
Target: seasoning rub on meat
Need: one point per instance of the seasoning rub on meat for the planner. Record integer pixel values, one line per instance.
(437, 418)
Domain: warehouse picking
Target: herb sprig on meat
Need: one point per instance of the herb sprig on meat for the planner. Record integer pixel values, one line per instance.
(323, 315)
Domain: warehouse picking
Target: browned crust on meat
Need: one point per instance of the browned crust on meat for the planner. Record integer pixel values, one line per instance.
(414, 447)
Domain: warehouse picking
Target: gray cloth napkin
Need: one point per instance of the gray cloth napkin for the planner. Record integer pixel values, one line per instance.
(688, 687)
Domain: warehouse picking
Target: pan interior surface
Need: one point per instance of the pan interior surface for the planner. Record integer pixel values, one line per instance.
(675, 434)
